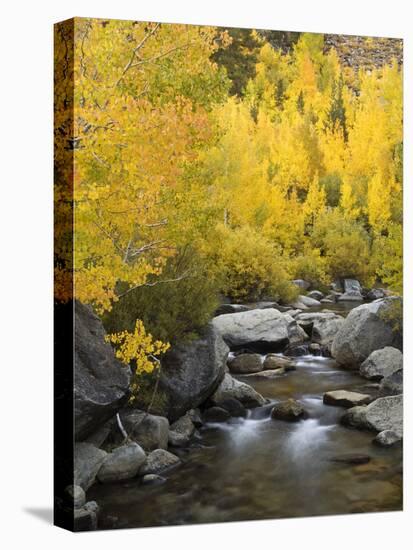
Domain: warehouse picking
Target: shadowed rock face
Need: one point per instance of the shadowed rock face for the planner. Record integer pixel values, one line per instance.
(365, 330)
(192, 371)
(101, 382)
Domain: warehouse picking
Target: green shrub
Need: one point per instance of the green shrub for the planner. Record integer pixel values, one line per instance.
(171, 311)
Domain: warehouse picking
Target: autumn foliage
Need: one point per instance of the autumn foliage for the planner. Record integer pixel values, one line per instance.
(298, 174)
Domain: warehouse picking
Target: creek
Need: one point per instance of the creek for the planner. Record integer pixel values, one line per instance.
(260, 468)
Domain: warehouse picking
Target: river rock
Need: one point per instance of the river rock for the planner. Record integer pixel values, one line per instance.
(366, 329)
(392, 384)
(153, 479)
(245, 363)
(262, 327)
(216, 414)
(75, 496)
(381, 363)
(184, 426)
(87, 462)
(301, 283)
(224, 309)
(232, 388)
(192, 371)
(99, 437)
(195, 416)
(315, 295)
(387, 438)
(159, 460)
(181, 431)
(324, 326)
(101, 382)
(122, 463)
(375, 294)
(385, 413)
(268, 374)
(350, 296)
(234, 407)
(352, 285)
(273, 361)
(289, 410)
(344, 398)
(148, 430)
(304, 302)
(296, 334)
(86, 517)
(296, 351)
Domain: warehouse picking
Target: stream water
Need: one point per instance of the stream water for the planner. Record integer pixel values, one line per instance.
(259, 468)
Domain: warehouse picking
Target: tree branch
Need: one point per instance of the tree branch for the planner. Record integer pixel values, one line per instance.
(184, 275)
(135, 51)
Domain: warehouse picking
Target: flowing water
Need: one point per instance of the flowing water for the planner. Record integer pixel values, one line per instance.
(259, 468)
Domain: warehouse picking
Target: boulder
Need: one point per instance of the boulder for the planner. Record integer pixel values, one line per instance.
(224, 309)
(87, 462)
(232, 388)
(367, 328)
(336, 286)
(315, 295)
(86, 517)
(176, 439)
(153, 479)
(381, 363)
(268, 374)
(350, 296)
(392, 384)
(273, 361)
(99, 437)
(387, 438)
(101, 382)
(305, 285)
(159, 460)
(245, 363)
(344, 398)
(296, 334)
(184, 426)
(75, 496)
(267, 304)
(304, 302)
(234, 407)
(148, 430)
(315, 348)
(375, 294)
(195, 416)
(192, 371)
(122, 463)
(181, 431)
(324, 325)
(296, 351)
(351, 285)
(216, 414)
(385, 413)
(289, 410)
(267, 328)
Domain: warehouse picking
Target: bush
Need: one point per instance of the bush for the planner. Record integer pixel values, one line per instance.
(171, 311)
(311, 267)
(250, 266)
(346, 247)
